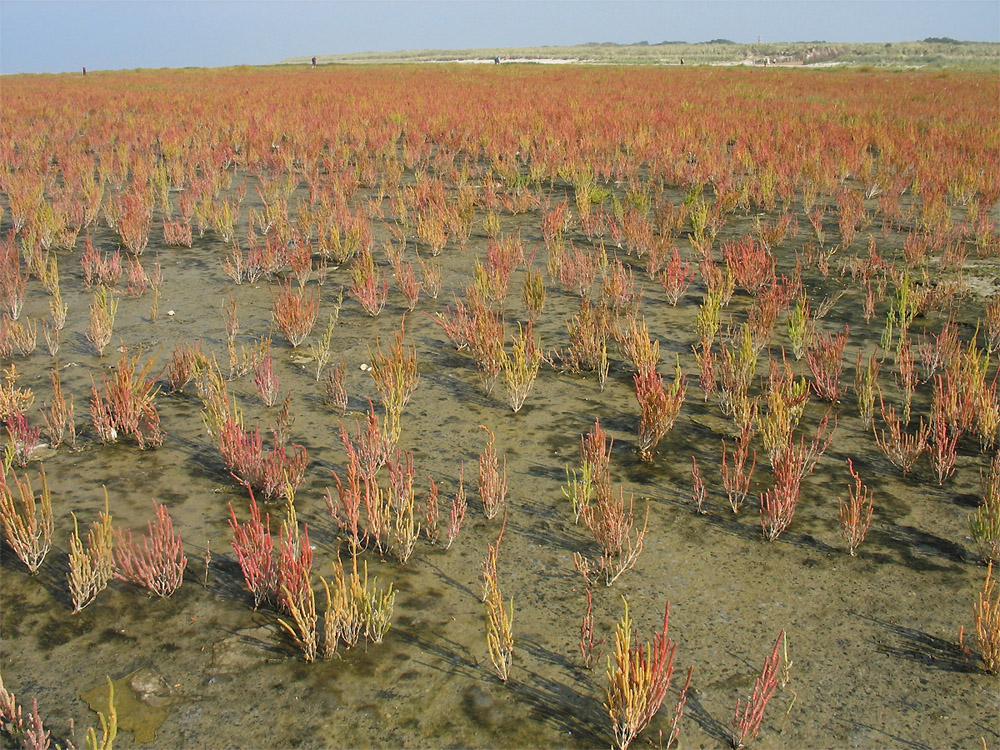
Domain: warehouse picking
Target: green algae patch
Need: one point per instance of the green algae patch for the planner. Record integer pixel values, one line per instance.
(142, 702)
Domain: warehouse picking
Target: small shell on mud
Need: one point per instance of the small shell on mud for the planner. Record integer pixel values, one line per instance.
(365, 367)
(171, 313)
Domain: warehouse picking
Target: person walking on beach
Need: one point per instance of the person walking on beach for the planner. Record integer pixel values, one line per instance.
(314, 61)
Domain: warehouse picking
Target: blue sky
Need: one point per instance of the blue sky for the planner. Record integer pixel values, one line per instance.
(39, 36)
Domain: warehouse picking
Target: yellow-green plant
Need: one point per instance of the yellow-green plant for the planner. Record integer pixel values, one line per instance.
(499, 620)
(533, 293)
(987, 615)
(354, 607)
(319, 351)
(799, 326)
(109, 725)
(12, 398)
(984, 523)
(638, 679)
(520, 367)
(865, 386)
(91, 566)
(302, 608)
(396, 378)
(102, 319)
(707, 323)
(27, 522)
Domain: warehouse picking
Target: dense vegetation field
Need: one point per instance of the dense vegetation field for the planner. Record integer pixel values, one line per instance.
(445, 382)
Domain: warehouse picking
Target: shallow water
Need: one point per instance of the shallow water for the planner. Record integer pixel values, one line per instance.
(872, 638)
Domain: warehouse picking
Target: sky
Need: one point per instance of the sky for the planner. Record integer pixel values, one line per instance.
(51, 36)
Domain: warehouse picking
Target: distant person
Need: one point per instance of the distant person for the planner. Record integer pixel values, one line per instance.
(682, 61)
(314, 61)
(85, 70)
(496, 60)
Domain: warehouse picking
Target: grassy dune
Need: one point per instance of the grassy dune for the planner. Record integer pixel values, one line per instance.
(927, 54)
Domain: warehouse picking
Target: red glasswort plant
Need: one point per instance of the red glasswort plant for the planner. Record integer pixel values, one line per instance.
(265, 380)
(254, 550)
(272, 472)
(736, 476)
(901, 447)
(856, 513)
(368, 284)
(748, 716)
(158, 561)
(675, 277)
(492, 481)
(658, 406)
(589, 648)
(22, 437)
(456, 512)
(612, 523)
(295, 311)
(825, 357)
(639, 679)
(125, 404)
(697, 485)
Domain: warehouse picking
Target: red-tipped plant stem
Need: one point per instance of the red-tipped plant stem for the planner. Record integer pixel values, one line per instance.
(158, 561)
(265, 380)
(906, 375)
(520, 368)
(272, 472)
(294, 567)
(612, 523)
(748, 716)
(675, 723)
(638, 679)
(987, 616)
(736, 477)
(590, 649)
(595, 453)
(333, 386)
(825, 358)
(254, 548)
(706, 367)
(943, 443)
(588, 340)
(432, 512)
(348, 515)
(370, 442)
(295, 311)
(456, 324)
(777, 505)
(22, 436)
(126, 405)
(28, 522)
(856, 513)
(901, 447)
(406, 282)
(492, 480)
(697, 485)
(456, 513)
(675, 277)
(401, 501)
(368, 284)
(486, 337)
(658, 407)
(750, 263)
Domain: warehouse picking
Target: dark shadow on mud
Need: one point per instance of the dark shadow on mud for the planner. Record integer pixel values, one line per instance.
(920, 648)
